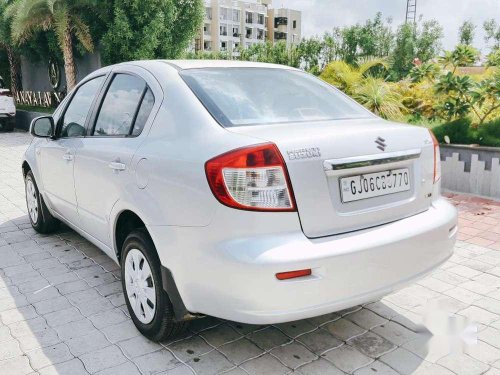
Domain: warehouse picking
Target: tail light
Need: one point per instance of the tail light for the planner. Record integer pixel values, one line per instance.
(5, 93)
(251, 178)
(437, 158)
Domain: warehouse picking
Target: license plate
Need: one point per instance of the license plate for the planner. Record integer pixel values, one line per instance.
(371, 185)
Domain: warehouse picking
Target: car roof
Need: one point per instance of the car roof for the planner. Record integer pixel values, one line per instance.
(200, 64)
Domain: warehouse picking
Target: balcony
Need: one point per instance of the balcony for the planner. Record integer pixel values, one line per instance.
(279, 21)
(280, 36)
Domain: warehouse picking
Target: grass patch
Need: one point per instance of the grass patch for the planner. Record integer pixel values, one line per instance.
(22, 107)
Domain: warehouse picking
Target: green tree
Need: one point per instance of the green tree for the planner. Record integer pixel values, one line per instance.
(428, 40)
(492, 33)
(428, 71)
(466, 33)
(309, 51)
(493, 58)
(7, 44)
(462, 55)
(151, 29)
(404, 52)
(64, 17)
(461, 96)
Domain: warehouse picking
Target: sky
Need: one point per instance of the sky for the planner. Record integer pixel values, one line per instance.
(319, 16)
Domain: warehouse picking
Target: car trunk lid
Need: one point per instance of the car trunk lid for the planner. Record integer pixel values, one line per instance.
(325, 158)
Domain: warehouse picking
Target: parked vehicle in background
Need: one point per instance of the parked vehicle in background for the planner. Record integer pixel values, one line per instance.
(246, 191)
(7, 107)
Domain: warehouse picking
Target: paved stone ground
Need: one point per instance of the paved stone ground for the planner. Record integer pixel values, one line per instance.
(62, 311)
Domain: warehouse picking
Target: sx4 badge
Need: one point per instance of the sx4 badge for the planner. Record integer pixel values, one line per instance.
(304, 153)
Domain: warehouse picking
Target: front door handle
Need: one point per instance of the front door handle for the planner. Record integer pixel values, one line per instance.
(117, 166)
(67, 157)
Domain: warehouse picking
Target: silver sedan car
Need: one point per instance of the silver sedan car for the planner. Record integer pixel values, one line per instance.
(251, 192)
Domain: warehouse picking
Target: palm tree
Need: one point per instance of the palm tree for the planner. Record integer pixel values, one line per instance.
(463, 55)
(6, 43)
(347, 77)
(62, 16)
(374, 93)
(380, 98)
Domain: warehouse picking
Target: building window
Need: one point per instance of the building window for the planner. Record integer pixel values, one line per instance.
(236, 46)
(236, 32)
(207, 46)
(206, 29)
(223, 46)
(223, 30)
(236, 15)
(278, 21)
(248, 17)
(260, 19)
(208, 13)
(294, 24)
(260, 34)
(248, 33)
(279, 36)
(223, 13)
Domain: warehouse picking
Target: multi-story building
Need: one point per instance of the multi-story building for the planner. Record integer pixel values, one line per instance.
(233, 24)
(284, 25)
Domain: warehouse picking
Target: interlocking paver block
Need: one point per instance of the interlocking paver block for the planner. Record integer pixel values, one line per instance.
(219, 335)
(156, 362)
(72, 367)
(127, 368)
(293, 355)
(189, 348)
(344, 329)
(319, 367)
(87, 343)
(347, 358)
(371, 344)
(240, 350)
(319, 341)
(49, 355)
(463, 364)
(268, 338)
(103, 359)
(264, 364)
(211, 363)
(404, 361)
(16, 365)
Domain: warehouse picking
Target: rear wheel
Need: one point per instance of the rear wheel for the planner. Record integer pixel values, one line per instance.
(147, 302)
(40, 217)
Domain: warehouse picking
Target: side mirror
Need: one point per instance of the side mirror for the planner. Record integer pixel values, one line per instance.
(42, 127)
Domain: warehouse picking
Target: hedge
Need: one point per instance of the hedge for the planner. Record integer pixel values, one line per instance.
(462, 132)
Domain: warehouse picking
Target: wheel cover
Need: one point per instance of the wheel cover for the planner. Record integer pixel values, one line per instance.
(32, 200)
(140, 286)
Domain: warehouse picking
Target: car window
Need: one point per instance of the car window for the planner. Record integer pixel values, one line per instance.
(144, 111)
(120, 106)
(73, 122)
(255, 96)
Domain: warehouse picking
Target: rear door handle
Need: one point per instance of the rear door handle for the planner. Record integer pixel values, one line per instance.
(67, 157)
(117, 166)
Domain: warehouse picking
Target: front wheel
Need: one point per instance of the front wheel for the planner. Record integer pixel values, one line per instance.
(40, 217)
(147, 302)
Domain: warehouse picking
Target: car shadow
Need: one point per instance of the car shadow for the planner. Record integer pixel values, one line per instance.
(61, 297)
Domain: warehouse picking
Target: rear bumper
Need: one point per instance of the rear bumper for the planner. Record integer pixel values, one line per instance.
(235, 278)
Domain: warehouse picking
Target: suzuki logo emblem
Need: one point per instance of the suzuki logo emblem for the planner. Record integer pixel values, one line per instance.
(380, 143)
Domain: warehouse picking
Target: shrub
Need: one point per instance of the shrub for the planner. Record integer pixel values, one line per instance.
(488, 134)
(459, 131)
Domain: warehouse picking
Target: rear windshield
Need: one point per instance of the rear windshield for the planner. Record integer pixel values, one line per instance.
(255, 96)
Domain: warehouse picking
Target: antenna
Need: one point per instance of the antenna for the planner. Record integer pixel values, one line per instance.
(411, 11)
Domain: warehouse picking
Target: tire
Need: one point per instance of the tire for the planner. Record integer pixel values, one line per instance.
(159, 324)
(40, 217)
